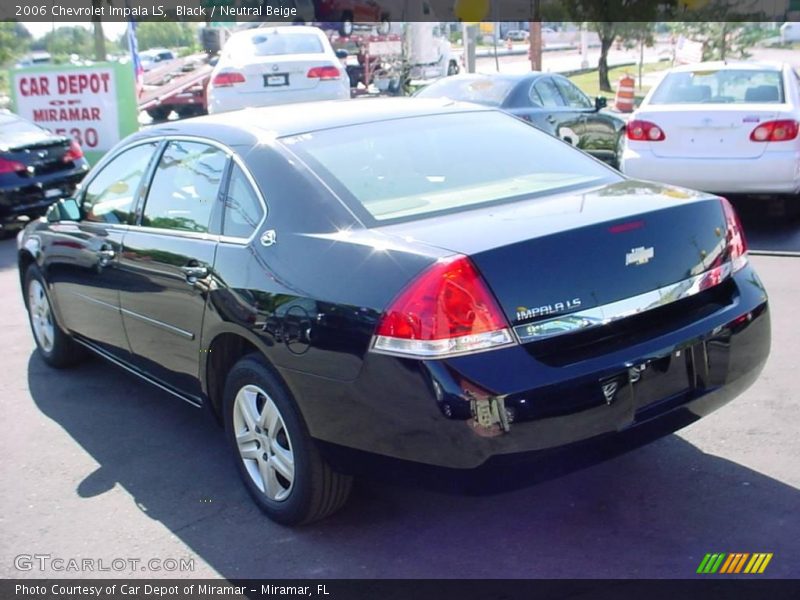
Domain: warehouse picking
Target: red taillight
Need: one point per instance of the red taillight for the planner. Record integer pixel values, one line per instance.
(446, 310)
(227, 79)
(74, 152)
(644, 131)
(775, 131)
(736, 250)
(737, 244)
(10, 166)
(323, 73)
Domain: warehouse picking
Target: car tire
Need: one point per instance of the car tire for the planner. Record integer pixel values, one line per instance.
(385, 26)
(346, 25)
(278, 461)
(159, 113)
(55, 346)
(452, 68)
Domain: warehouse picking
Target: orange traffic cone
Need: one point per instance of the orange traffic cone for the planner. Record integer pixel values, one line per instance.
(624, 98)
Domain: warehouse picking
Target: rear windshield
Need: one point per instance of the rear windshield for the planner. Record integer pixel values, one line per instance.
(412, 167)
(271, 43)
(490, 91)
(731, 86)
(10, 124)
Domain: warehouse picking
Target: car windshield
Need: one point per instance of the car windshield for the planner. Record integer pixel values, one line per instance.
(412, 167)
(490, 91)
(10, 125)
(271, 43)
(727, 86)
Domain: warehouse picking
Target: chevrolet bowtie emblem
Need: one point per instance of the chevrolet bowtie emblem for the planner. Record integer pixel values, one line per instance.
(639, 256)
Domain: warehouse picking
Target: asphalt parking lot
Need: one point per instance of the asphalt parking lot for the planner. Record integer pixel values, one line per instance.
(99, 465)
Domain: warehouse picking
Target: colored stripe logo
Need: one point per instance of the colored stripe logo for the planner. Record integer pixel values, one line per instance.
(735, 562)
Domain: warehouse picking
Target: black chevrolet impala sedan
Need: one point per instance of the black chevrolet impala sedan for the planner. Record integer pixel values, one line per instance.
(431, 284)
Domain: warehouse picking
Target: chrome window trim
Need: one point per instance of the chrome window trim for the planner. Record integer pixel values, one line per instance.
(584, 320)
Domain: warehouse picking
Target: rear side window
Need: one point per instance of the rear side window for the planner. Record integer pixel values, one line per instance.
(185, 187)
(111, 194)
(547, 94)
(722, 86)
(243, 211)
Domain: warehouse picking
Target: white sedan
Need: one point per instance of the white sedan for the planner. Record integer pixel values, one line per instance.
(276, 65)
(719, 127)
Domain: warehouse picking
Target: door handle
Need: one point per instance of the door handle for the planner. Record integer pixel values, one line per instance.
(194, 272)
(551, 119)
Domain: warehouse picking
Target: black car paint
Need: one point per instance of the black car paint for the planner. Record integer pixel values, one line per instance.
(310, 303)
(25, 194)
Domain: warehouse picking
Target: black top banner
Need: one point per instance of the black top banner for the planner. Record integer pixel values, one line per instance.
(331, 11)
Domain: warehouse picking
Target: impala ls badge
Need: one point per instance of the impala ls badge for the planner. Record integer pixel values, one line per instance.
(639, 256)
(610, 391)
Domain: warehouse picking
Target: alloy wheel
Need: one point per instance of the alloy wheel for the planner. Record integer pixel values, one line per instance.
(41, 316)
(263, 443)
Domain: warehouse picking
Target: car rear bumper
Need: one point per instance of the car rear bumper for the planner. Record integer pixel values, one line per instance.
(771, 173)
(418, 411)
(228, 99)
(32, 198)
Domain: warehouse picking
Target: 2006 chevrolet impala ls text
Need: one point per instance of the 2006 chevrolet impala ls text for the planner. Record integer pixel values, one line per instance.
(432, 282)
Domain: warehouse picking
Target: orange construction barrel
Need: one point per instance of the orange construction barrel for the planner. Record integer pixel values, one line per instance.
(624, 99)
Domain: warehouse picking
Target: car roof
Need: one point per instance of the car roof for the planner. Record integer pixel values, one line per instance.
(251, 125)
(719, 65)
(499, 76)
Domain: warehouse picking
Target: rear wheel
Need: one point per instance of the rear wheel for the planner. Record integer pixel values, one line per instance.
(159, 113)
(346, 25)
(55, 346)
(277, 459)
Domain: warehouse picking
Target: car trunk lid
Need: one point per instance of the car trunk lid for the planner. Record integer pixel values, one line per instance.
(703, 132)
(555, 255)
(276, 74)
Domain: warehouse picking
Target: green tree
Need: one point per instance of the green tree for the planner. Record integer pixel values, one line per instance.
(14, 41)
(164, 34)
(612, 20)
(723, 40)
(63, 41)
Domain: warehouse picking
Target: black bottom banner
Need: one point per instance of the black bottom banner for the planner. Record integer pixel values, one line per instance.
(705, 588)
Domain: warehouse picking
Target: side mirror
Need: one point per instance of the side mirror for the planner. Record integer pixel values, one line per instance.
(342, 54)
(213, 60)
(600, 102)
(66, 209)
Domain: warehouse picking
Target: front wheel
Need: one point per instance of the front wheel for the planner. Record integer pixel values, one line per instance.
(55, 346)
(276, 457)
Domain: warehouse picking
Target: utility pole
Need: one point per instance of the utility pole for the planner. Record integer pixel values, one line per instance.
(469, 35)
(535, 37)
(99, 38)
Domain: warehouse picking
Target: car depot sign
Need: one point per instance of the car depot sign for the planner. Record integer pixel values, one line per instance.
(95, 104)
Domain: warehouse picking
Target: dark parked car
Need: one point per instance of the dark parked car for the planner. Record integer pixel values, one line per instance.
(36, 168)
(421, 280)
(550, 102)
